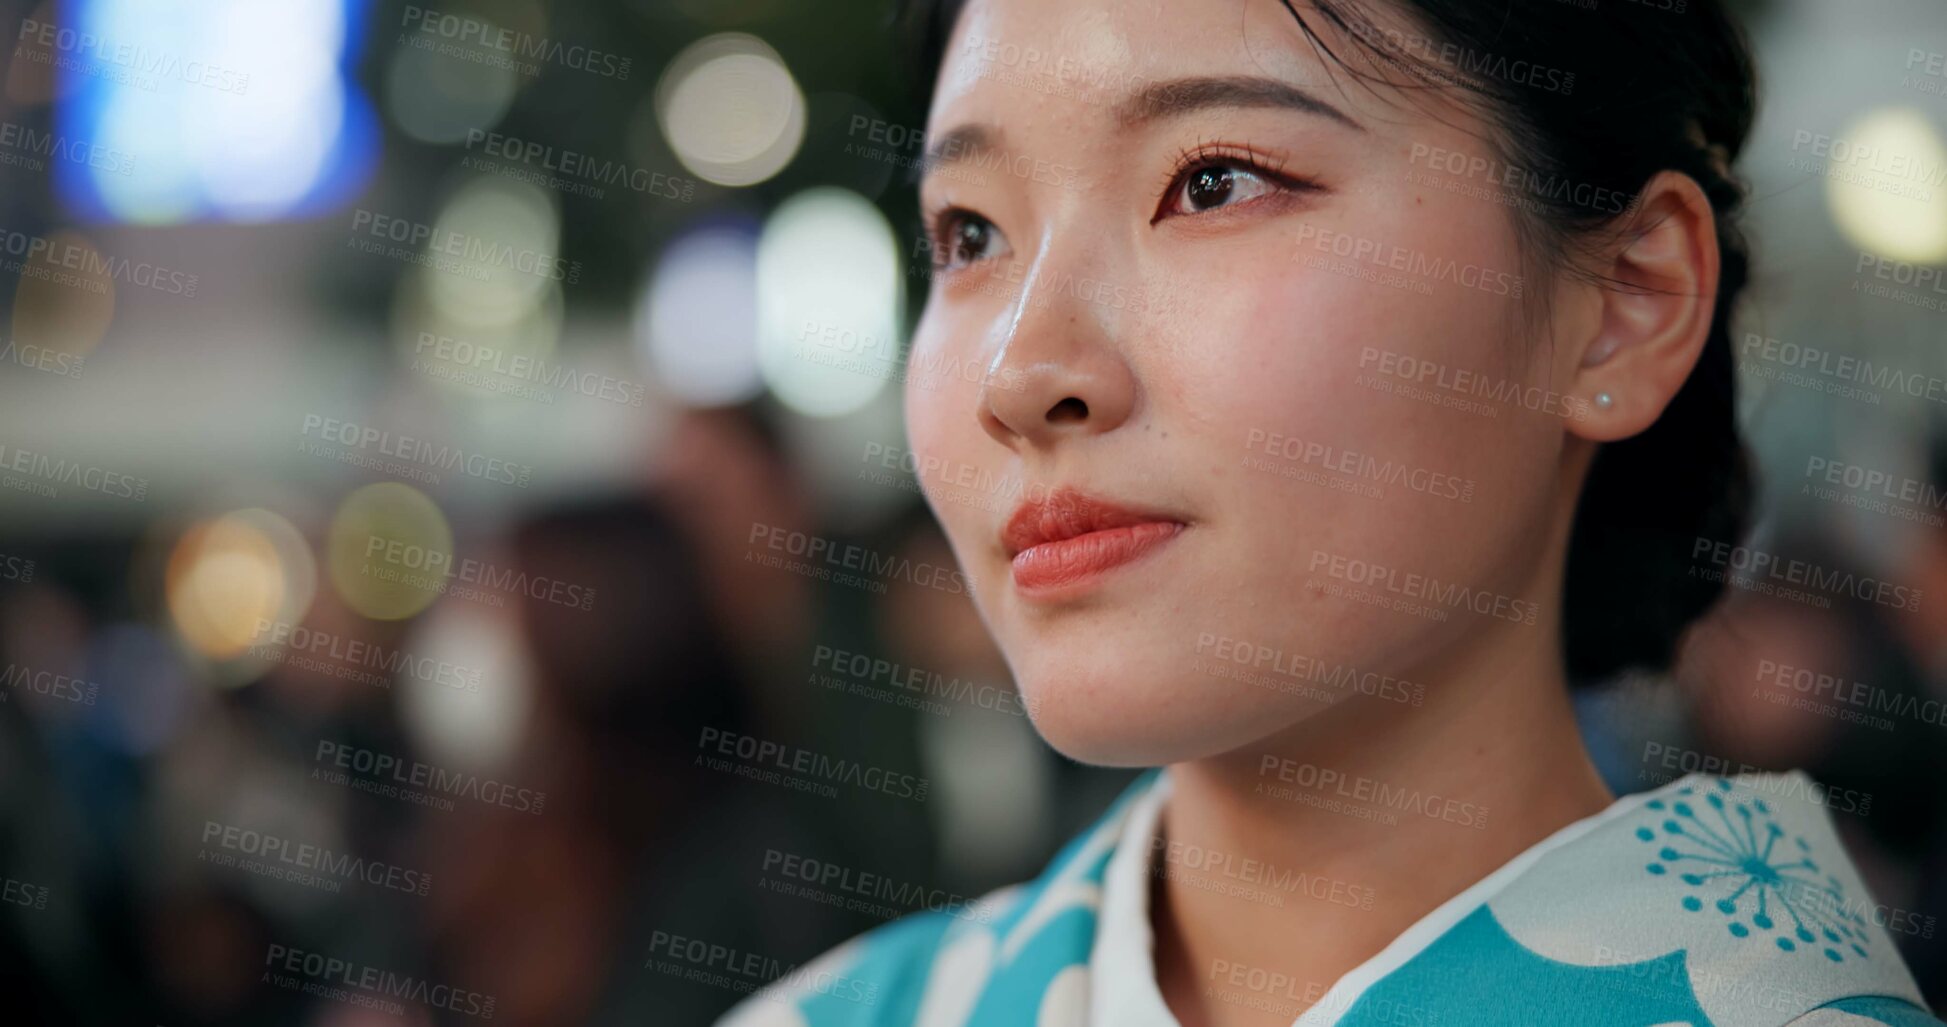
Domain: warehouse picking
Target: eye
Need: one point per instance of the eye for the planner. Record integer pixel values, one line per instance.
(1212, 185)
(962, 237)
(1212, 176)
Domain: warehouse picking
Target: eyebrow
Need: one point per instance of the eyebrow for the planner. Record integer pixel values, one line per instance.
(1180, 96)
(1168, 99)
(957, 144)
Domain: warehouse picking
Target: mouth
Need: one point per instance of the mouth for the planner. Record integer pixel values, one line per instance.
(1067, 541)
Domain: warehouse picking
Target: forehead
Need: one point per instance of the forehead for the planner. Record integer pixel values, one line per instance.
(1019, 57)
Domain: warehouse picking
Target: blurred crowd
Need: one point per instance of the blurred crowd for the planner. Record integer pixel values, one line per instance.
(124, 805)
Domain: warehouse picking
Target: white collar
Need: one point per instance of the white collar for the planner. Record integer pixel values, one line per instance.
(1122, 966)
(1122, 980)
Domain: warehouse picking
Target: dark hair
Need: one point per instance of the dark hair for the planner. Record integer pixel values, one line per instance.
(1599, 99)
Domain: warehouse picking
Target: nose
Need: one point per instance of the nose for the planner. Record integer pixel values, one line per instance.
(1058, 374)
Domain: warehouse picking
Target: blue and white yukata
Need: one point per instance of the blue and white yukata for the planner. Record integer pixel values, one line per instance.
(1709, 902)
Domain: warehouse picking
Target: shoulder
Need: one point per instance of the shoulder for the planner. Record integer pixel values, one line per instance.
(1014, 946)
(1727, 901)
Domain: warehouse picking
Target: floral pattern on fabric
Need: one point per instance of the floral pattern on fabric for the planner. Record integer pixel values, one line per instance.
(1710, 902)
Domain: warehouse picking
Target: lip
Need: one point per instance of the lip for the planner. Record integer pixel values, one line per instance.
(1069, 540)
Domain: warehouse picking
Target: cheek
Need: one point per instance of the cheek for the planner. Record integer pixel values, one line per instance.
(1318, 453)
(1306, 374)
(950, 453)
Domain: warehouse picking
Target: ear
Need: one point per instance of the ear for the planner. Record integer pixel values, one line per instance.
(1655, 313)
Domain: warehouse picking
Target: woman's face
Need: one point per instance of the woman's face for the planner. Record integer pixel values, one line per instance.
(1249, 309)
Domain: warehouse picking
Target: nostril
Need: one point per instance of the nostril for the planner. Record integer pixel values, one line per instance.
(1069, 409)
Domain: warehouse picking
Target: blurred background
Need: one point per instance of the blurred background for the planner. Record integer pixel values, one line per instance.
(452, 460)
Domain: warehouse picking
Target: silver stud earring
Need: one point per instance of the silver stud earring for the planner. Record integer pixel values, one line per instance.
(1604, 400)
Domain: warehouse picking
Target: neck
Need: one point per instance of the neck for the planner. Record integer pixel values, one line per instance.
(1360, 820)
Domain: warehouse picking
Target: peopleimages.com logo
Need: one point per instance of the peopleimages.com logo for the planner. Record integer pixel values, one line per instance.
(405, 455)
(439, 570)
(48, 683)
(16, 568)
(1295, 669)
(20, 893)
(1355, 471)
(571, 171)
(505, 371)
(1369, 795)
(1417, 266)
(398, 777)
(514, 50)
(1771, 573)
(1665, 763)
(1929, 285)
(270, 855)
(43, 475)
(763, 759)
(828, 559)
(1228, 873)
(36, 256)
(132, 64)
(1285, 996)
(456, 252)
(327, 973)
(1843, 699)
(861, 891)
(59, 363)
(745, 972)
(876, 677)
(23, 145)
(1423, 589)
(272, 637)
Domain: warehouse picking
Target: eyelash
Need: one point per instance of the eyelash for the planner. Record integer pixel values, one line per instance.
(1203, 155)
(940, 231)
(1193, 158)
(939, 228)
(1246, 158)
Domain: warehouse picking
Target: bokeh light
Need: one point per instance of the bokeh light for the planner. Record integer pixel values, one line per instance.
(495, 252)
(696, 323)
(385, 548)
(478, 726)
(458, 349)
(245, 111)
(55, 315)
(731, 110)
(229, 576)
(436, 98)
(490, 303)
(276, 135)
(1884, 186)
(828, 302)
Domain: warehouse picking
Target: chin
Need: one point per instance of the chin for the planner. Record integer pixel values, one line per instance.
(1118, 710)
